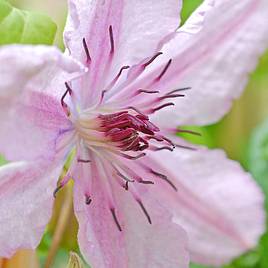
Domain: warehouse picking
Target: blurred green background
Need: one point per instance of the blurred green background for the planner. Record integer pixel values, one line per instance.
(243, 134)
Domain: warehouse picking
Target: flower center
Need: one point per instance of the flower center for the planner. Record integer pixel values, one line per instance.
(124, 131)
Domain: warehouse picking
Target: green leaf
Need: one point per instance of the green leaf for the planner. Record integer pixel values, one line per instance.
(258, 165)
(258, 156)
(24, 27)
(2, 160)
(188, 7)
(248, 260)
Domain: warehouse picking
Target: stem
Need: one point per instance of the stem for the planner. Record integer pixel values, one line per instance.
(60, 226)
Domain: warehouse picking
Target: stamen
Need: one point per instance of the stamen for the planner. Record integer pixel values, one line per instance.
(63, 104)
(86, 50)
(189, 132)
(126, 186)
(122, 69)
(152, 59)
(162, 148)
(69, 90)
(62, 183)
(145, 146)
(171, 96)
(57, 190)
(83, 161)
(144, 117)
(165, 178)
(133, 157)
(111, 39)
(144, 211)
(88, 200)
(146, 182)
(164, 70)
(115, 219)
(123, 177)
(178, 90)
(134, 144)
(113, 82)
(169, 141)
(185, 147)
(102, 96)
(148, 91)
(157, 138)
(162, 106)
(161, 138)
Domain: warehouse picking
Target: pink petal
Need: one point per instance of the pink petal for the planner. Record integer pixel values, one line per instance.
(137, 27)
(33, 68)
(214, 62)
(26, 198)
(217, 203)
(31, 114)
(139, 244)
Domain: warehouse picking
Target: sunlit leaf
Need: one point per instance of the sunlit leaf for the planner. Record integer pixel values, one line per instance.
(24, 27)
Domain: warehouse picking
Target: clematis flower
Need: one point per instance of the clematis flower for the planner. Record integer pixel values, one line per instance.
(143, 197)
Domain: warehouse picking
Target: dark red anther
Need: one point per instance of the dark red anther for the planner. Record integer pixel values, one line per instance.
(111, 116)
(145, 144)
(126, 120)
(132, 145)
(141, 115)
(115, 219)
(152, 59)
(83, 161)
(88, 200)
(119, 124)
(111, 39)
(86, 50)
(164, 70)
(165, 178)
(157, 138)
(151, 126)
(118, 134)
(163, 106)
(144, 211)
